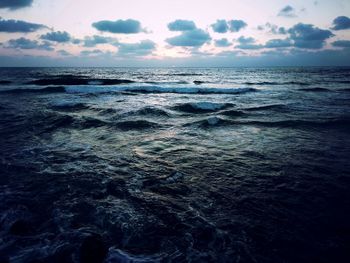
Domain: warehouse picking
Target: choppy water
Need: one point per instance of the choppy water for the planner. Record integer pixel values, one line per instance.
(175, 165)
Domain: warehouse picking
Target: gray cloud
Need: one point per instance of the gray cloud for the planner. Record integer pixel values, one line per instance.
(246, 40)
(287, 11)
(236, 25)
(129, 26)
(94, 52)
(341, 43)
(181, 25)
(341, 23)
(24, 43)
(220, 26)
(59, 36)
(63, 52)
(308, 36)
(247, 43)
(143, 48)
(278, 43)
(272, 28)
(15, 4)
(193, 38)
(96, 40)
(222, 43)
(18, 26)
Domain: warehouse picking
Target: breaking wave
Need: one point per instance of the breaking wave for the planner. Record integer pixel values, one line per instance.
(157, 89)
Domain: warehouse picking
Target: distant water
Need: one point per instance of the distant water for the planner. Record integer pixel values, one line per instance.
(175, 165)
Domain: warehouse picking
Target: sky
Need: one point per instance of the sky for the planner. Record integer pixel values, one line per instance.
(174, 33)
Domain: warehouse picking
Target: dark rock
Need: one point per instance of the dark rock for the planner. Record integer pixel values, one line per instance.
(93, 249)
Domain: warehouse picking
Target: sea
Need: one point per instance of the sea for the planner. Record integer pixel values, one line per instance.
(175, 165)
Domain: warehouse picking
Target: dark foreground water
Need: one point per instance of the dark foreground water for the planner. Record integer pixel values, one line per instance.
(175, 165)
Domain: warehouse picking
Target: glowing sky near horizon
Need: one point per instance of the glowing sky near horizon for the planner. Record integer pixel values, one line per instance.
(156, 44)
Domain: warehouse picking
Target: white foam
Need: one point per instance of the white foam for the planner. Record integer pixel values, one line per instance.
(155, 89)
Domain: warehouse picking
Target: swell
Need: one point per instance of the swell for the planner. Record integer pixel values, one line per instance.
(266, 107)
(4, 82)
(157, 89)
(201, 107)
(315, 90)
(70, 106)
(273, 83)
(54, 89)
(78, 81)
(298, 124)
(148, 111)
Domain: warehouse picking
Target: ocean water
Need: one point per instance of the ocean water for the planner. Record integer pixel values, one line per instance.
(175, 165)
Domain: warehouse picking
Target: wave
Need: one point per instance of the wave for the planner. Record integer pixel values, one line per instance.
(232, 113)
(151, 111)
(334, 123)
(52, 122)
(166, 82)
(184, 74)
(210, 122)
(88, 123)
(298, 124)
(272, 83)
(78, 81)
(201, 107)
(344, 90)
(266, 107)
(70, 106)
(4, 82)
(53, 89)
(157, 89)
(136, 125)
(315, 90)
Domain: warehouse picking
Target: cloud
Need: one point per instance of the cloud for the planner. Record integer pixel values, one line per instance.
(94, 52)
(143, 48)
(341, 43)
(287, 11)
(18, 26)
(247, 43)
(246, 40)
(236, 25)
(220, 26)
(278, 43)
(59, 36)
(129, 26)
(181, 25)
(96, 40)
(193, 38)
(63, 52)
(273, 29)
(15, 4)
(76, 41)
(309, 36)
(222, 43)
(341, 22)
(25, 43)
